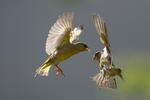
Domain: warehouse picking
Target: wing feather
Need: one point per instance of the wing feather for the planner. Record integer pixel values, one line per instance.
(59, 34)
(76, 33)
(102, 30)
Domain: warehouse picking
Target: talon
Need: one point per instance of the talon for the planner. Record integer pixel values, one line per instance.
(59, 71)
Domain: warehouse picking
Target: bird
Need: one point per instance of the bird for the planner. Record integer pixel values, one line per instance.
(108, 71)
(60, 44)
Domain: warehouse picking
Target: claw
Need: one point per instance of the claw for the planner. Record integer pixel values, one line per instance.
(59, 71)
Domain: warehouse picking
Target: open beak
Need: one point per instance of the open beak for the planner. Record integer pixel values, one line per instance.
(87, 49)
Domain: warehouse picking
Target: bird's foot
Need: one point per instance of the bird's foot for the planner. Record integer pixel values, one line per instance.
(58, 70)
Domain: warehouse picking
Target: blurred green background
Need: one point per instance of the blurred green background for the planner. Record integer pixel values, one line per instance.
(136, 83)
(24, 26)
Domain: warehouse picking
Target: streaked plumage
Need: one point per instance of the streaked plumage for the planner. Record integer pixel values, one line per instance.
(60, 43)
(106, 76)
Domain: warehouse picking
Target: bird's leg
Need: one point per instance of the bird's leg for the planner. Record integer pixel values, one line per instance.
(102, 79)
(105, 82)
(58, 70)
(101, 83)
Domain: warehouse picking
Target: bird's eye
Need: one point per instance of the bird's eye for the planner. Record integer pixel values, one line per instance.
(85, 46)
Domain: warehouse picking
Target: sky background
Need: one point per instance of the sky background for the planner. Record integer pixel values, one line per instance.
(24, 26)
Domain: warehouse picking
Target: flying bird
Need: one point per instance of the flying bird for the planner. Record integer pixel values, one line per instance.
(108, 71)
(60, 44)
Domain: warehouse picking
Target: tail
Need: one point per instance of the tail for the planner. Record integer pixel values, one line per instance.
(107, 82)
(43, 70)
(110, 83)
(97, 78)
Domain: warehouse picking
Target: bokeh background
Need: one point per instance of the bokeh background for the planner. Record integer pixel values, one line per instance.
(24, 26)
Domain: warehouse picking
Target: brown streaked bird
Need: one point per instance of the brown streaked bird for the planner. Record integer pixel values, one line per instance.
(60, 44)
(106, 76)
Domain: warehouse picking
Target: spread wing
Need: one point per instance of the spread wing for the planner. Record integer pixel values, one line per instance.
(101, 29)
(59, 34)
(76, 33)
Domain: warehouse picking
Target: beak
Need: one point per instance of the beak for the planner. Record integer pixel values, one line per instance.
(87, 49)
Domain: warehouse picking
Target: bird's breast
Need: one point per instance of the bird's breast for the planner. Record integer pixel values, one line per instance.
(64, 53)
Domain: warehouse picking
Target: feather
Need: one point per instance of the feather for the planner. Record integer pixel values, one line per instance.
(59, 34)
(102, 30)
(76, 33)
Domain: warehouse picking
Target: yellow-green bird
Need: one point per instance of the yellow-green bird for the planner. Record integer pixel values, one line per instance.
(107, 72)
(60, 43)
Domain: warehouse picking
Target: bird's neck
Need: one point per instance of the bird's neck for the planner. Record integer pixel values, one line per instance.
(75, 50)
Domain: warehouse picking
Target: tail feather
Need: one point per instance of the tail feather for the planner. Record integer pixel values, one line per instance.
(97, 78)
(110, 83)
(107, 82)
(43, 70)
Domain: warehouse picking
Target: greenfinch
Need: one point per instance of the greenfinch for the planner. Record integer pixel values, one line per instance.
(106, 76)
(60, 44)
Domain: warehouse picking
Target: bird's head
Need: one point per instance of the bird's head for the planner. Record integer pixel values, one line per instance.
(82, 47)
(97, 56)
